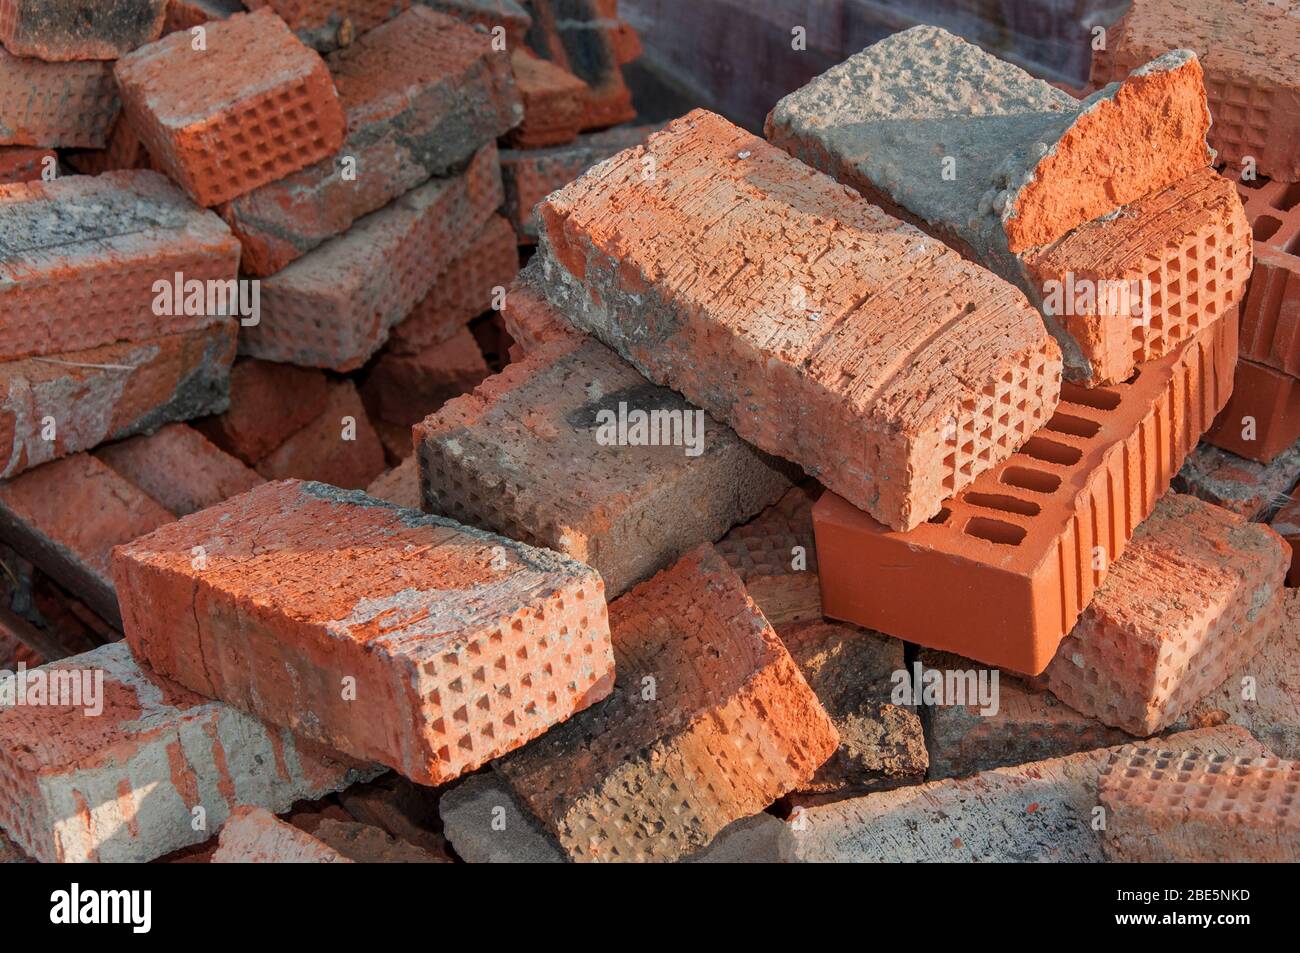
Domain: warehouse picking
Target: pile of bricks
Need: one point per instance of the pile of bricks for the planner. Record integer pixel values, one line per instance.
(467, 470)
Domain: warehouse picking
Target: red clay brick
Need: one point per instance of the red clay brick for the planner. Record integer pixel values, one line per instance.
(1250, 489)
(368, 844)
(463, 290)
(400, 485)
(529, 318)
(1005, 569)
(1287, 524)
(404, 389)
(256, 836)
(123, 151)
(573, 36)
(489, 14)
(421, 94)
(334, 307)
(1188, 807)
(529, 175)
(82, 256)
(59, 30)
(319, 450)
(68, 515)
(68, 105)
(25, 163)
(1270, 313)
(1251, 55)
(731, 727)
(396, 440)
(460, 645)
(554, 102)
(187, 14)
(524, 455)
(327, 24)
(1198, 591)
(269, 403)
(773, 297)
(126, 786)
(179, 469)
(1262, 418)
(253, 107)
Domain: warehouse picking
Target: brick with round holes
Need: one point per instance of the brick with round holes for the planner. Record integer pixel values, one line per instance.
(386, 634)
(252, 106)
(1002, 572)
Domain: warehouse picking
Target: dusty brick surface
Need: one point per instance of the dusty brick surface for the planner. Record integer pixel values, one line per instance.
(123, 151)
(1040, 812)
(24, 163)
(268, 404)
(67, 516)
(179, 469)
(1253, 490)
(1198, 591)
(530, 319)
(1251, 57)
(463, 290)
(400, 485)
(529, 175)
(1006, 568)
(405, 810)
(60, 30)
(1286, 523)
(110, 392)
(187, 14)
(776, 557)
(68, 105)
(335, 306)
(422, 94)
(70, 246)
(489, 13)
(527, 455)
(1262, 418)
(729, 729)
(554, 101)
(328, 24)
(1188, 807)
(403, 389)
(253, 107)
(772, 296)
(1270, 312)
(462, 645)
(964, 737)
(124, 786)
(320, 451)
(256, 836)
(367, 844)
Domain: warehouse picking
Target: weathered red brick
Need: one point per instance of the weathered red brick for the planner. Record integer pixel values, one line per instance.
(58, 30)
(1287, 524)
(1005, 569)
(253, 107)
(400, 485)
(1253, 490)
(457, 645)
(269, 403)
(729, 725)
(790, 321)
(82, 255)
(554, 101)
(110, 392)
(328, 24)
(187, 14)
(123, 151)
(1262, 418)
(338, 446)
(68, 105)
(404, 389)
(529, 318)
(575, 36)
(334, 307)
(25, 163)
(368, 844)
(508, 14)
(255, 836)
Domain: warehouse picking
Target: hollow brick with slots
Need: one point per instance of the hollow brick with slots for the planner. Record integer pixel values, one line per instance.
(65, 105)
(1270, 312)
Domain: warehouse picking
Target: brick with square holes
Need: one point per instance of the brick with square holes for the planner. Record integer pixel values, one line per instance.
(1270, 312)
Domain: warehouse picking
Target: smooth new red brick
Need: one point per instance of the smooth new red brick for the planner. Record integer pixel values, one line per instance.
(388, 635)
(1005, 569)
(58, 30)
(68, 105)
(1262, 418)
(253, 107)
(1270, 313)
(338, 446)
(779, 301)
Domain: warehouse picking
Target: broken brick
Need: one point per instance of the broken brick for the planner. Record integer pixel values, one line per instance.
(26, 163)
(1253, 490)
(574, 35)
(507, 14)
(710, 721)
(59, 30)
(1270, 311)
(1005, 569)
(537, 453)
(1286, 523)
(251, 107)
(81, 255)
(1262, 417)
(159, 769)
(553, 101)
(400, 485)
(433, 648)
(252, 835)
(405, 388)
(65, 105)
(124, 151)
(187, 14)
(895, 392)
(269, 403)
(328, 24)
(529, 318)
(367, 844)
(338, 446)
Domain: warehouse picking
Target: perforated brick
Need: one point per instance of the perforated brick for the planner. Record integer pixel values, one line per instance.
(1270, 313)
(60, 30)
(334, 307)
(1262, 418)
(776, 557)
(1185, 806)
(253, 107)
(68, 105)
(730, 725)
(459, 645)
(80, 256)
(1251, 55)
(1002, 572)
(777, 300)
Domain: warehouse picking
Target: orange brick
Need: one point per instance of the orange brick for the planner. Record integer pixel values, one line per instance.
(731, 726)
(253, 107)
(460, 645)
(1286, 523)
(90, 252)
(25, 163)
(554, 102)
(1270, 313)
(338, 446)
(776, 557)
(1198, 591)
(422, 94)
(179, 469)
(255, 836)
(68, 105)
(59, 30)
(404, 389)
(327, 24)
(335, 306)
(1005, 569)
(123, 151)
(578, 37)
(529, 318)
(772, 296)
(463, 290)
(1183, 807)
(525, 455)
(1251, 55)
(400, 485)
(268, 404)
(1262, 418)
